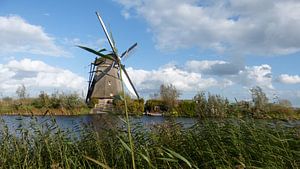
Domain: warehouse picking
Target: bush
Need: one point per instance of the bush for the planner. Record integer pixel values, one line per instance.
(281, 112)
(186, 108)
(155, 106)
(134, 106)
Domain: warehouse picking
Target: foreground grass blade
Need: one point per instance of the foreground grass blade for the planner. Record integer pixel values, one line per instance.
(124, 145)
(97, 162)
(179, 157)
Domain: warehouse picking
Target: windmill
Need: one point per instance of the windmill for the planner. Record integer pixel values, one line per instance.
(107, 73)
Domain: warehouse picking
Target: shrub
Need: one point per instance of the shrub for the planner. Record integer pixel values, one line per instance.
(186, 108)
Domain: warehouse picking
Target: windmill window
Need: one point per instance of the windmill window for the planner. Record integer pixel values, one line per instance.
(109, 83)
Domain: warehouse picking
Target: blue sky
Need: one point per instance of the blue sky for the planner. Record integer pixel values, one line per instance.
(224, 47)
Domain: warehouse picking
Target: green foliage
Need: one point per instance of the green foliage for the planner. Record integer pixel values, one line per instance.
(57, 100)
(280, 111)
(240, 109)
(43, 100)
(134, 106)
(260, 101)
(201, 104)
(187, 108)
(211, 106)
(209, 144)
(155, 106)
(217, 106)
(92, 103)
(57, 103)
(169, 94)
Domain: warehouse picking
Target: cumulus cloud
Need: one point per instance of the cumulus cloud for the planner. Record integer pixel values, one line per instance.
(213, 67)
(256, 76)
(260, 27)
(202, 66)
(196, 75)
(149, 81)
(19, 36)
(38, 76)
(289, 79)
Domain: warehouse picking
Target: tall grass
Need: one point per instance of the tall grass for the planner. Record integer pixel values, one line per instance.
(209, 144)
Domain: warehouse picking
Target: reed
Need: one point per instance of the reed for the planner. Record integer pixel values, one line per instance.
(209, 144)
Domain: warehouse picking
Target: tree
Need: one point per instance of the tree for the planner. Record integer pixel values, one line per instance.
(43, 100)
(21, 92)
(259, 99)
(217, 106)
(169, 94)
(201, 104)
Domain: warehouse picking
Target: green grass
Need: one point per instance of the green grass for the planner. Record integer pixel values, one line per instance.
(209, 144)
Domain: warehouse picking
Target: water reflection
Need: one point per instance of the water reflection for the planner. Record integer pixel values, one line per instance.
(75, 124)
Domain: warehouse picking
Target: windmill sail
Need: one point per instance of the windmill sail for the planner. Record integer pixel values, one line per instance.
(128, 84)
(106, 34)
(124, 54)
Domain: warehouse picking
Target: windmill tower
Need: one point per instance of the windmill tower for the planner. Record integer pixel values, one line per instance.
(107, 74)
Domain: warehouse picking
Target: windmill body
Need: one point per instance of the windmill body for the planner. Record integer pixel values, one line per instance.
(109, 85)
(107, 75)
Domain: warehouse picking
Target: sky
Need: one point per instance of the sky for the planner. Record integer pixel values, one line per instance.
(223, 47)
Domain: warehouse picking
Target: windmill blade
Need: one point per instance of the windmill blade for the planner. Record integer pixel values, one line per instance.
(96, 52)
(96, 79)
(106, 34)
(128, 83)
(92, 69)
(113, 41)
(104, 72)
(102, 50)
(128, 50)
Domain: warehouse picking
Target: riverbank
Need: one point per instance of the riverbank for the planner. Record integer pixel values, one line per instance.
(47, 112)
(61, 104)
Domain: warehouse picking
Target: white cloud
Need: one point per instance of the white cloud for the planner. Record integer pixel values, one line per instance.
(38, 76)
(260, 27)
(202, 66)
(197, 75)
(186, 79)
(289, 79)
(214, 67)
(19, 36)
(256, 76)
(149, 81)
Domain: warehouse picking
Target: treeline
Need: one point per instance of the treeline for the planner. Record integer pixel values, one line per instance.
(207, 105)
(55, 104)
(203, 105)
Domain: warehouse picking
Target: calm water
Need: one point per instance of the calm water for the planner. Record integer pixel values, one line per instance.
(75, 123)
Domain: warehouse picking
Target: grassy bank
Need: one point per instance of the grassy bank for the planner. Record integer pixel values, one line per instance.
(209, 144)
(44, 104)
